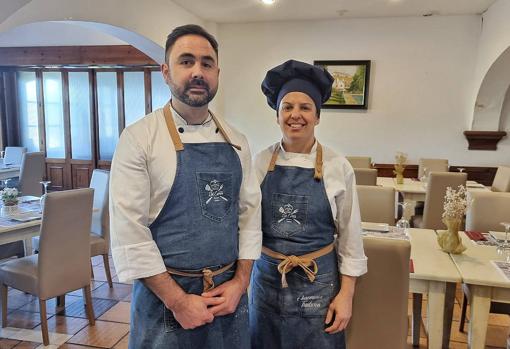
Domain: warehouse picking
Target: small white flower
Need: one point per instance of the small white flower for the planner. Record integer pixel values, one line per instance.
(455, 203)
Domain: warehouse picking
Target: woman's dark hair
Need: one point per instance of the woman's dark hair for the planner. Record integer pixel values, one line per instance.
(188, 29)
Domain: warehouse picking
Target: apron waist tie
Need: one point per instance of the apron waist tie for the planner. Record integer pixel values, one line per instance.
(304, 262)
(206, 274)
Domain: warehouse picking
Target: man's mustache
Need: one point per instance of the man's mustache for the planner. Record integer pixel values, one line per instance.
(197, 82)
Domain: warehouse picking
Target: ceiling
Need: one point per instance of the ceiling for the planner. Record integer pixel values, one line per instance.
(235, 11)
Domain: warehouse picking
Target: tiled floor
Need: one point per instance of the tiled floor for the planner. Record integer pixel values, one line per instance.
(69, 328)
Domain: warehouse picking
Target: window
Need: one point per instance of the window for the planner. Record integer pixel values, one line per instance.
(134, 96)
(53, 115)
(160, 90)
(108, 114)
(79, 112)
(27, 104)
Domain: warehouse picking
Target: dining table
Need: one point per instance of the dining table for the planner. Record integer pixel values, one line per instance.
(486, 283)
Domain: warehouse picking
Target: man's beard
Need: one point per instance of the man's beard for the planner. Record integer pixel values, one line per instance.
(181, 93)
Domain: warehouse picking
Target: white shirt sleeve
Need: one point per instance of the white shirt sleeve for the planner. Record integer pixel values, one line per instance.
(250, 232)
(135, 253)
(349, 244)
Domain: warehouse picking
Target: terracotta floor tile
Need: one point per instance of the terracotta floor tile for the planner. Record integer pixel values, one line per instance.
(74, 346)
(104, 334)
(123, 344)
(65, 324)
(27, 345)
(127, 298)
(118, 313)
(93, 285)
(51, 305)
(497, 336)
(23, 319)
(423, 343)
(16, 299)
(7, 343)
(77, 309)
(117, 292)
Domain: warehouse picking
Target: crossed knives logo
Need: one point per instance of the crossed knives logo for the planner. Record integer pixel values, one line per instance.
(288, 214)
(215, 190)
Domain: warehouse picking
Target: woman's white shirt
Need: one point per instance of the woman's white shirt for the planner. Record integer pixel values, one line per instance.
(340, 185)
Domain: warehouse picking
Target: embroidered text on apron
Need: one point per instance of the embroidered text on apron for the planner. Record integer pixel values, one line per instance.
(197, 235)
(297, 275)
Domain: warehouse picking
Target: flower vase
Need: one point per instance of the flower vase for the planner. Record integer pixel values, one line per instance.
(400, 178)
(449, 240)
(9, 209)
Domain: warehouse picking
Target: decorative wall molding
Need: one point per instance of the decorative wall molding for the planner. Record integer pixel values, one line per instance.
(484, 140)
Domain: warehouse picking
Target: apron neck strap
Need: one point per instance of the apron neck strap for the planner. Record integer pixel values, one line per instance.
(176, 139)
(318, 161)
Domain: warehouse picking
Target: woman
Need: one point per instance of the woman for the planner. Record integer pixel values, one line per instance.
(308, 197)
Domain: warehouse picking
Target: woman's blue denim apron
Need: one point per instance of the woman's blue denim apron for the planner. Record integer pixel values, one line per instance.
(296, 220)
(196, 229)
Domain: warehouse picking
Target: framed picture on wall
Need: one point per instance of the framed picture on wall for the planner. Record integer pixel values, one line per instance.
(350, 88)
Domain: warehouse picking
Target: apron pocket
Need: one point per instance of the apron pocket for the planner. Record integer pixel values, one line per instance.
(289, 214)
(215, 192)
(313, 299)
(170, 323)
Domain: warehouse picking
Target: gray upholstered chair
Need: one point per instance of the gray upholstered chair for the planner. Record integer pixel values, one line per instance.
(382, 293)
(100, 229)
(63, 262)
(486, 212)
(434, 198)
(14, 155)
(502, 180)
(376, 204)
(360, 161)
(431, 165)
(365, 176)
(31, 174)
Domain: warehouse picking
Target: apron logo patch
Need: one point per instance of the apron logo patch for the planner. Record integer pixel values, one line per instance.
(215, 190)
(288, 214)
(309, 301)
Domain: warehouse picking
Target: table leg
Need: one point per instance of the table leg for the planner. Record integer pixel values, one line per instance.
(27, 243)
(480, 301)
(435, 313)
(416, 318)
(448, 313)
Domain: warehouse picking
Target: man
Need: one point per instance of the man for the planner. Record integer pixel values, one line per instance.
(185, 210)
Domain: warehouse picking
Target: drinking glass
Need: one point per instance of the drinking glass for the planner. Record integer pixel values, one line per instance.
(41, 200)
(403, 224)
(424, 177)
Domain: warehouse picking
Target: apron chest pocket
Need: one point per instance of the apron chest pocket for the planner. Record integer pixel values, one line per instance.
(289, 214)
(215, 193)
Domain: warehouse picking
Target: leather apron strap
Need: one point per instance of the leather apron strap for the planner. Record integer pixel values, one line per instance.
(318, 161)
(304, 262)
(176, 139)
(206, 274)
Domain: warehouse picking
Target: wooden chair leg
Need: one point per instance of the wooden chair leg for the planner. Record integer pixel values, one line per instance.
(417, 298)
(107, 270)
(91, 270)
(87, 295)
(61, 301)
(4, 290)
(463, 314)
(44, 321)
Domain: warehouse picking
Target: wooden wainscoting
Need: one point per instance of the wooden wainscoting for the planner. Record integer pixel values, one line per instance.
(81, 172)
(386, 170)
(57, 171)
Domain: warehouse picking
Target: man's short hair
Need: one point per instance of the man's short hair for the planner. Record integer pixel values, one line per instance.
(189, 29)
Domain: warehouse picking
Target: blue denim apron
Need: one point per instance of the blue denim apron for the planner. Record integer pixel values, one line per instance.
(196, 229)
(296, 220)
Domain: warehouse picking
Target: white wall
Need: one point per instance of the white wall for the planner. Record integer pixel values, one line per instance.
(420, 88)
(55, 34)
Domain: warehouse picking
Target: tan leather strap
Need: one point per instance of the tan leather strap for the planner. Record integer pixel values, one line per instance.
(222, 131)
(176, 139)
(170, 124)
(206, 273)
(304, 262)
(318, 161)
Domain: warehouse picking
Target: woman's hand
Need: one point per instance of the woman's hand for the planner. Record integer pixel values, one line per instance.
(340, 309)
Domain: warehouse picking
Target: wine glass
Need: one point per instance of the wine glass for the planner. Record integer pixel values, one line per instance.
(461, 169)
(41, 200)
(505, 245)
(403, 224)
